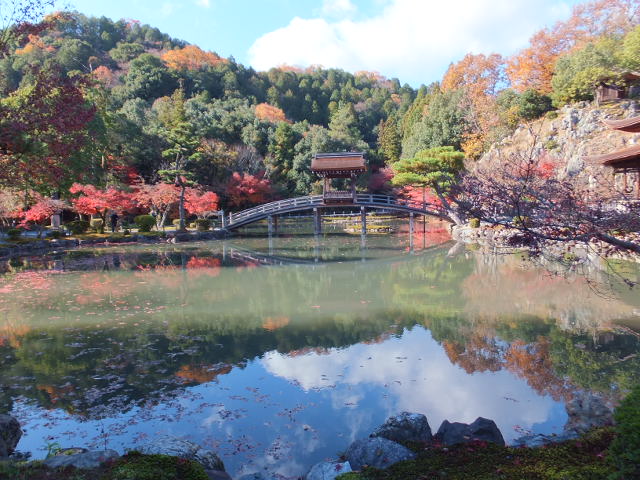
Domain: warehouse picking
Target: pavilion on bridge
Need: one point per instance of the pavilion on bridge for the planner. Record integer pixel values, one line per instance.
(347, 165)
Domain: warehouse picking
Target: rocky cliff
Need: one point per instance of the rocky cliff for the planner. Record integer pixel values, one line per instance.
(569, 136)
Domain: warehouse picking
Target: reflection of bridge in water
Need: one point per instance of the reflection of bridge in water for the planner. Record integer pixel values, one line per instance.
(271, 258)
(270, 211)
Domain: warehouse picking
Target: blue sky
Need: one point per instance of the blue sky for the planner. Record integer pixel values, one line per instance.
(413, 40)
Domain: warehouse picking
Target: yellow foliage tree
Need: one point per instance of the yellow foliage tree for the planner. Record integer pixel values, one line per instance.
(269, 113)
(191, 57)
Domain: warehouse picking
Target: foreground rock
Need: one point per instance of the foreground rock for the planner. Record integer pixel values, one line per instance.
(178, 447)
(328, 470)
(10, 434)
(405, 427)
(481, 429)
(85, 460)
(376, 452)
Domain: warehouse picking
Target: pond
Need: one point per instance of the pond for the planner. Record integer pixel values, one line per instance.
(278, 353)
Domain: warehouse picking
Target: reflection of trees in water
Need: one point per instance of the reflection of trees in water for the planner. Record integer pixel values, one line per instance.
(174, 322)
(84, 370)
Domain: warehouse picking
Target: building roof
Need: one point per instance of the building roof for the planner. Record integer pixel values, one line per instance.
(338, 162)
(631, 125)
(626, 157)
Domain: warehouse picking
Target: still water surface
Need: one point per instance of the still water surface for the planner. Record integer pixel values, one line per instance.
(279, 354)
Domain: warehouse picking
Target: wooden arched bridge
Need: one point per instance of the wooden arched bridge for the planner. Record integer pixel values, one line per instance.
(318, 202)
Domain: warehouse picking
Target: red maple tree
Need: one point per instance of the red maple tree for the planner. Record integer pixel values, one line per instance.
(244, 190)
(199, 203)
(41, 211)
(97, 201)
(158, 198)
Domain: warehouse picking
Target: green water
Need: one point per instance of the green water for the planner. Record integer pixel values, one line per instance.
(279, 352)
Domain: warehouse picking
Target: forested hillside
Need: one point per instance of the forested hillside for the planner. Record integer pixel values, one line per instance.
(104, 102)
(148, 93)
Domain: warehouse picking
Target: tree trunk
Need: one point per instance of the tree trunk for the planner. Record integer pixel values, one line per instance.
(183, 189)
(451, 213)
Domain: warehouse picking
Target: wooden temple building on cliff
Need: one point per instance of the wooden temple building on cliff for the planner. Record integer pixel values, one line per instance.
(625, 162)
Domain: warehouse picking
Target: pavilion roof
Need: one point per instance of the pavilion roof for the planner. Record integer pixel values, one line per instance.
(338, 162)
(626, 157)
(631, 125)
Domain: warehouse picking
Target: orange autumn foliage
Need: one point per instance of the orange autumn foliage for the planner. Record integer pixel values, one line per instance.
(35, 42)
(480, 77)
(104, 74)
(533, 67)
(202, 373)
(274, 323)
(532, 362)
(191, 57)
(269, 113)
(55, 393)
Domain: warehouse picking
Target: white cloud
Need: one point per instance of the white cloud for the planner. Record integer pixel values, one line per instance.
(413, 40)
(338, 8)
(418, 377)
(203, 3)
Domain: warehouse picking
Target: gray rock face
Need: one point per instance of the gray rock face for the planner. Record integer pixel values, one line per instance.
(376, 452)
(405, 427)
(81, 460)
(587, 410)
(178, 447)
(481, 429)
(328, 470)
(10, 434)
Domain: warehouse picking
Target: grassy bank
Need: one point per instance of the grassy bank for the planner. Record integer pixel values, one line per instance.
(582, 459)
(133, 466)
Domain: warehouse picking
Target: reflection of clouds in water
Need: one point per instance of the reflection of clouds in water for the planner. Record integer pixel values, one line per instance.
(279, 458)
(420, 378)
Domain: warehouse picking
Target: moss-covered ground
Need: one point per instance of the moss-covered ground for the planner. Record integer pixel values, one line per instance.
(583, 459)
(132, 466)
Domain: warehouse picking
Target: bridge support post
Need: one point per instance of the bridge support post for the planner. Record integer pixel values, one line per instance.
(223, 218)
(363, 220)
(275, 224)
(317, 221)
(411, 231)
(270, 225)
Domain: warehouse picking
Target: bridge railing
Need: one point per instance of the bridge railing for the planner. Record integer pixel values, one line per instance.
(317, 200)
(274, 207)
(376, 199)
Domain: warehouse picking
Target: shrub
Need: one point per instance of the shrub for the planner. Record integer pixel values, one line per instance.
(552, 115)
(521, 221)
(14, 233)
(77, 227)
(192, 225)
(532, 105)
(145, 222)
(176, 222)
(474, 222)
(126, 232)
(203, 224)
(55, 234)
(97, 225)
(624, 452)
